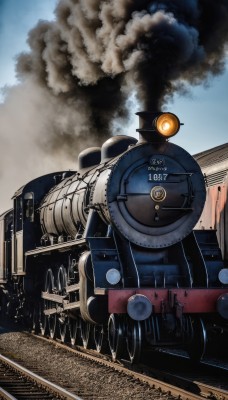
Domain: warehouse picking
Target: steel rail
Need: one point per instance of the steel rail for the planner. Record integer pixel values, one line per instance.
(5, 395)
(49, 386)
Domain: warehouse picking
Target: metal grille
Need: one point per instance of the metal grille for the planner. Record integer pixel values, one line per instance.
(216, 179)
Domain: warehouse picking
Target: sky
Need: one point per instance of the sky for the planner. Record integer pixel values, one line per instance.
(17, 17)
(204, 111)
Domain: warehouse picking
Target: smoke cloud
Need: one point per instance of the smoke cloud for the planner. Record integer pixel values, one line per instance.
(97, 47)
(83, 67)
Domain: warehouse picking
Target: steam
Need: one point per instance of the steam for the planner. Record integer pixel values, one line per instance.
(82, 68)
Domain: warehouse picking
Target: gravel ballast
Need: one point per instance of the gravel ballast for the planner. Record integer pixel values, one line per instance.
(82, 377)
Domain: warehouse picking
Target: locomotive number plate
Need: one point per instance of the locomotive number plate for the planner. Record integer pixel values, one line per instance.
(157, 177)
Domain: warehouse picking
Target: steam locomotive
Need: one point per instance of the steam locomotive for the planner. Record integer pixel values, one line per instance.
(108, 254)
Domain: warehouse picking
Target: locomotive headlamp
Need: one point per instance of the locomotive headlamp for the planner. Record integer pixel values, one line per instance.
(113, 276)
(167, 124)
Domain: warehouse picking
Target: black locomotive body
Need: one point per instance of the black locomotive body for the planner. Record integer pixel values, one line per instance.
(110, 249)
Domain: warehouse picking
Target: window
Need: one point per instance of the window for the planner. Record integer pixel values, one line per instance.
(29, 206)
(18, 213)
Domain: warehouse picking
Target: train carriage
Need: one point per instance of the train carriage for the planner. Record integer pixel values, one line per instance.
(214, 165)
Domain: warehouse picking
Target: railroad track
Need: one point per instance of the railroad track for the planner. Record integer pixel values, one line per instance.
(184, 388)
(18, 383)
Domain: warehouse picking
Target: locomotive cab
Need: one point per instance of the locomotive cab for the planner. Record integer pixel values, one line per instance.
(27, 232)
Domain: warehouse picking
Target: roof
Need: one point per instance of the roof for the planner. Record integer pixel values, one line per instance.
(214, 164)
(212, 156)
(2, 216)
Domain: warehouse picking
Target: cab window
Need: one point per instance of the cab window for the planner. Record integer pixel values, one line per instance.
(18, 218)
(29, 206)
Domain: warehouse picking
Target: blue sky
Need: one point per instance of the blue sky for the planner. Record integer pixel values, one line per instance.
(203, 112)
(17, 17)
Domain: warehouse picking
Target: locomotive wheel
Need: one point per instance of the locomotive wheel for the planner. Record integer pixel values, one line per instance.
(43, 305)
(42, 318)
(98, 334)
(50, 304)
(52, 326)
(115, 336)
(85, 333)
(35, 319)
(62, 328)
(197, 346)
(134, 340)
(61, 287)
(73, 329)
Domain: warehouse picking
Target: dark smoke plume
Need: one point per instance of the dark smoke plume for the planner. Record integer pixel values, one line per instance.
(83, 67)
(100, 51)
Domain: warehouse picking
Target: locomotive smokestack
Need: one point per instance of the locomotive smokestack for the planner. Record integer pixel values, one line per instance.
(147, 131)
